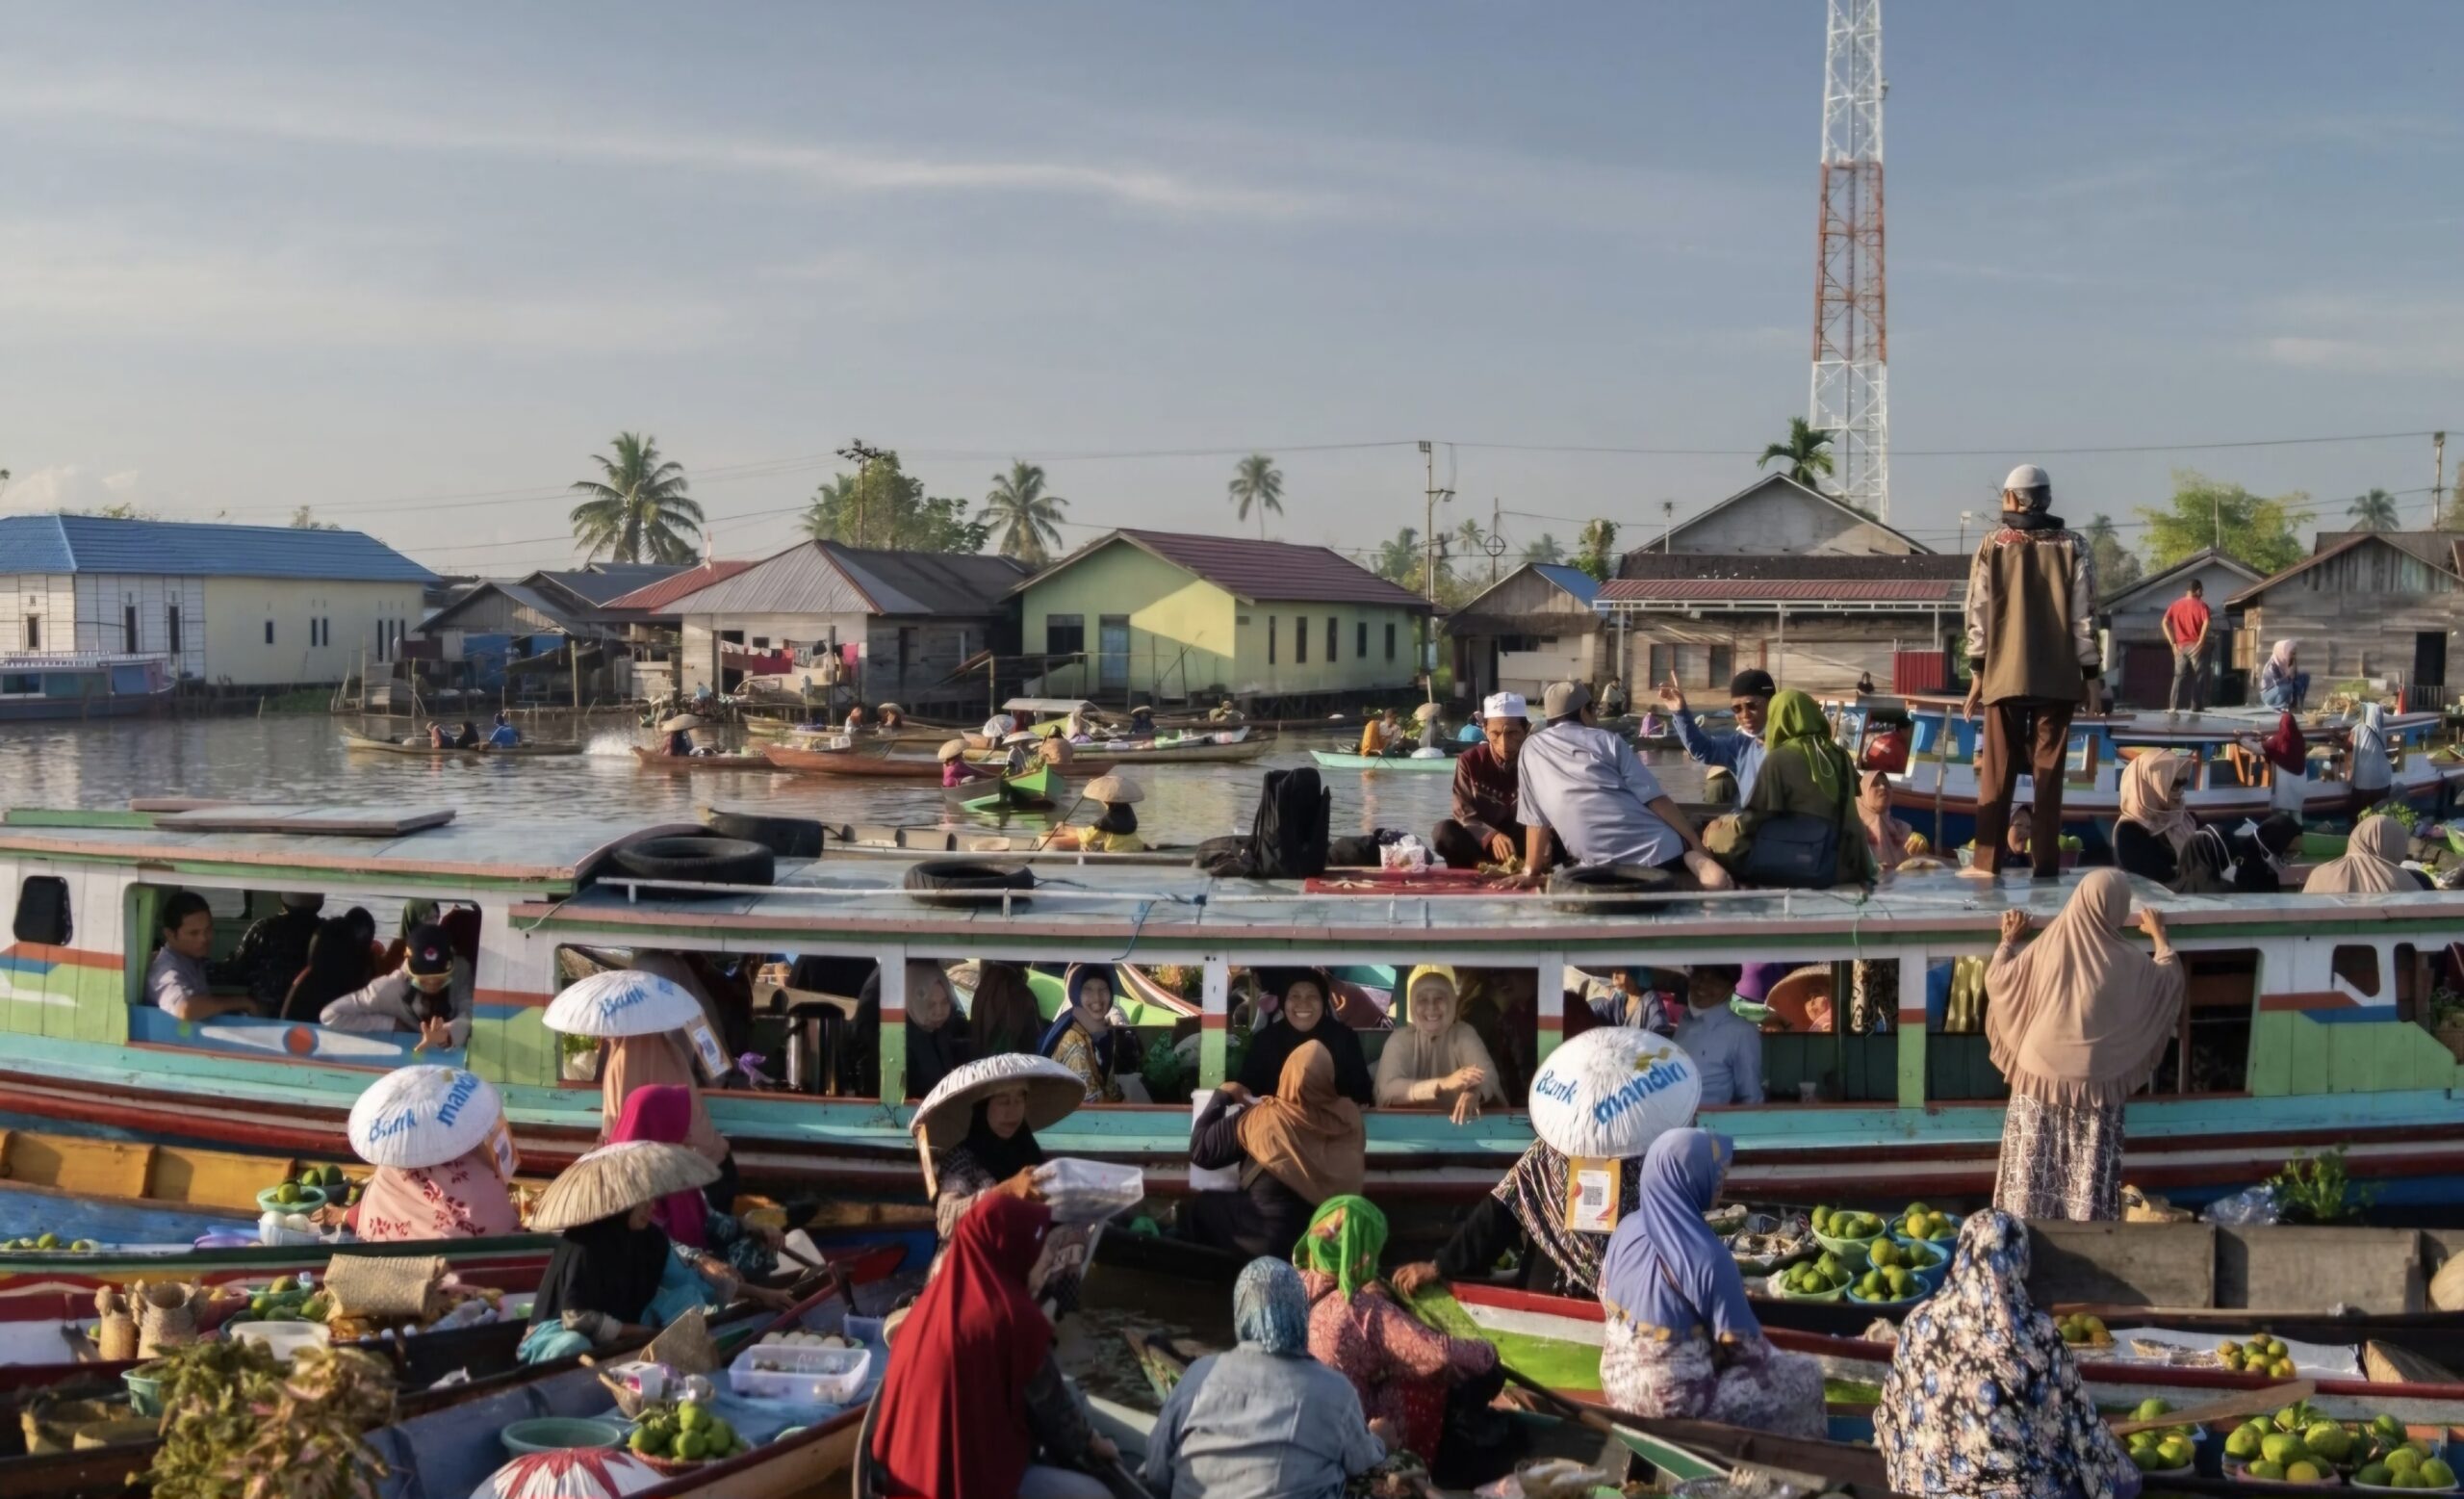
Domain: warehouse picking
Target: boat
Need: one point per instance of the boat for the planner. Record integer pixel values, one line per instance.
(2304, 1056)
(677, 765)
(1034, 787)
(353, 739)
(1338, 760)
(1226, 748)
(871, 763)
(41, 684)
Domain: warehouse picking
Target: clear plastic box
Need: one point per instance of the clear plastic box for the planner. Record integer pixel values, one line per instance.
(801, 1373)
(1083, 1190)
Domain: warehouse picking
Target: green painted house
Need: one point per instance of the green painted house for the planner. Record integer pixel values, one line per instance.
(1165, 616)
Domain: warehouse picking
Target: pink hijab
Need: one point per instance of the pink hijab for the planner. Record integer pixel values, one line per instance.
(463, 1199)
(663, 1114)
(637, 1062)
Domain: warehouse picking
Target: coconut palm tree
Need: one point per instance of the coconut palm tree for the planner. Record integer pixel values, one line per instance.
(2375, 511)
(1256, 483)
(1593, 547)
(1399, 561)
(1807, 452)
(1545, 550)
(1022, 515)
(637, 510)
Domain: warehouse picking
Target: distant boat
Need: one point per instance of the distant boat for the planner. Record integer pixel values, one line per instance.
(660, 760)
(1338, 760)
(1032, 788)
(352, 739)
(82, 685)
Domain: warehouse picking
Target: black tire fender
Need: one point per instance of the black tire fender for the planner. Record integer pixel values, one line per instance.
(788, 837)
(952, 882)
(694, 860)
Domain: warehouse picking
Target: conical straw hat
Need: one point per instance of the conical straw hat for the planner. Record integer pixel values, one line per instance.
(1611, 1091)
(1114, 790)
(572, 1473)
(616, 1178)
(681, 721)
(621, 1002)
(424, 1116)
(1053, 1094)
(952, 749)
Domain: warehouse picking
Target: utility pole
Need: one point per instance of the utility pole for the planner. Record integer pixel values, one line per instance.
(1429, 573)
(1667, 526)
(1495, 547)
(1966, 518)
(2215, 508)
(2438, 483)
(862, 453)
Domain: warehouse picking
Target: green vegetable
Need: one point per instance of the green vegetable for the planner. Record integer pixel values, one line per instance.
(238, 1424)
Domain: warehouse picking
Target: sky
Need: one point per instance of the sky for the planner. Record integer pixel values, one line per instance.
(412, 266)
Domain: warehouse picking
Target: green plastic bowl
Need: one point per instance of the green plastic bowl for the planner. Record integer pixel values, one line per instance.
(1787, 1295)
(1851, 1252)
(1922, 1291)
(311, 1198)
(557, 1433)
(144, 1393)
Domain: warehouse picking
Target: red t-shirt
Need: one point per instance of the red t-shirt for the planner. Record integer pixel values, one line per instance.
(2185, 620)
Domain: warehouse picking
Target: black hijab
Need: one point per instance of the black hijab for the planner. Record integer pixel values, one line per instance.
(1272, 1044)
(335, 964)
(1119, 817)
(933, 1055)
(609, 1266)
(1002, 1158)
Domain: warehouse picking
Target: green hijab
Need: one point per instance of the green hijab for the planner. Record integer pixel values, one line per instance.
(1797, 719)
(1349, 1250)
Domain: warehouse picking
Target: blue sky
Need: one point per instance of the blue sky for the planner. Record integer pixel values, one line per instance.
(411, 267)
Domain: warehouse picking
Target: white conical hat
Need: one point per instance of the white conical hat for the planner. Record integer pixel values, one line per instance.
(621, 1002)
(1613, 1090)
(574, 1473)
(424, 1116)
(1053, 1094)
(616, 1178)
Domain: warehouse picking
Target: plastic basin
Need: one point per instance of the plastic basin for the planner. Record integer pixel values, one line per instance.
(1946, 1244)
(557, 1433)
(282, 1339)
(311, 1198)
(1851, 1252)
(144, 1393)
(1933, 1261)
(1903, 1300)
(1787, 1295)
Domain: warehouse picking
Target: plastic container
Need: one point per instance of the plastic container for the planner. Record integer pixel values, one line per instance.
(1934, 1262)
(1944, 1244)
(1851, 1252)
(144, 1393)
(557, 1433)
(311, 1198)
(1922, 1291)
(1082, 1190)
(281, 1338)
(1785, 1294)
(776, 1371)
(2240, 1473)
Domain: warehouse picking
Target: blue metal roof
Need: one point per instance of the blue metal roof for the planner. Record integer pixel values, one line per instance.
(1574, 580)
(193, 548)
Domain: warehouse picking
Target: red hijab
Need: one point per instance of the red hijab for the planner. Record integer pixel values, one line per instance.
(952, 1421)
(2286, 748)
(662, 1114)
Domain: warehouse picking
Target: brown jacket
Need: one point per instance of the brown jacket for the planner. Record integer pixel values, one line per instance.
(2032, 613)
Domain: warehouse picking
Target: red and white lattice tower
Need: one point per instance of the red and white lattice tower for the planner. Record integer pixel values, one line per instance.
(1851, 337)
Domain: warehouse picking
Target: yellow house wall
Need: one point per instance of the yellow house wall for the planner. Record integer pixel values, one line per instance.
(1349, 671)
(1181, 637)
(237, 609)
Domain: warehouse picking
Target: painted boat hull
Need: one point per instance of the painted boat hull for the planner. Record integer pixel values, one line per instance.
(1336, 759)
(362, 741)
(659, 759)
(852, 764)
(48, 709)
(1033, 788)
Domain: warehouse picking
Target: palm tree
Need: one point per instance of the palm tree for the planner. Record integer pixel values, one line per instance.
(1807, 452)
(1256, 481)
(1399, 561)
(2375, 511)
(637, 510)
(1593, 546)
(1025, 517)
(1544, 550)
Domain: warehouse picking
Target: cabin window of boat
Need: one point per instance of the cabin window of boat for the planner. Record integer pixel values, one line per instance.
(300, 955)
(2357, 965)
(1065, 635)
(20, 684)
(43, 911)
(2417, 986)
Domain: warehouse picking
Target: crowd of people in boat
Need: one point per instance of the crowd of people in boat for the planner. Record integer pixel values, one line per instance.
(298, 964)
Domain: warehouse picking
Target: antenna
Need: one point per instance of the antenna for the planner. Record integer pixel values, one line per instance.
(1851, 397)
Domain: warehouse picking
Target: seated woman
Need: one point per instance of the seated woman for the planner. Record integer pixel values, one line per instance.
(1115, 830)
(423, 1187)
(1435, 1390)
(1891, 841)
(1265, 1417)
(2373, 863)
(972, 1396)
(2154, 830)
(1302, 1021)
(1805, 774)
(1436, 1060)
(1681, 1339)
(1002, 1016)
(892, 718)
(1524, 1216)
(2282, 683)
(955, 770)
(663, 1114)
(1983, 1399)
(1083, 1037)
(1295, 1147)
(999, 1152)
(629, 1063)
(937, 1037)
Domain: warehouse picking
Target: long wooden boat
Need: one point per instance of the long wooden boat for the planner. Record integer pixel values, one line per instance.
(680, 764)
(2304, 1058)
(1429, 764)
(353, 739)
(852, 764)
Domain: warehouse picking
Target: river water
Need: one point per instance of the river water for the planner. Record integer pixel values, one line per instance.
(300, 759)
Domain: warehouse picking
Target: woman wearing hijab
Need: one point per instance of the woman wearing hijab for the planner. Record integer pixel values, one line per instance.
(1435, 1060)
(1524, 1216)
(2282, 684)
(1295, 1147)
(663, 1114)
(2077, 1021)
(972, 1392)
(1981, 1400)
(1433, 1388)
(635, 1062)
(1002, 1014)
(2288, 756)
(1115, 830)
(1890, 842)
(2373, 863)
(1805, 773)
(1083, 1037)
(1681, 1338)
(2370, 771)
(1265, 1418)
(1304, 1019)
(2154, 830)
(465, 1198)
(937, 1036)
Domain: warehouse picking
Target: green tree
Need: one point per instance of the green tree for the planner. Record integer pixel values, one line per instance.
(1593, 548)
(2116, 567)
(1399, 561)
(883, 507)
(1022, 515)
(2257, 530)
(638, 510)
(1256, 483)
(2375, 511)
(123, 510)
(305, 519)
(1545, 550)
(1807, 453)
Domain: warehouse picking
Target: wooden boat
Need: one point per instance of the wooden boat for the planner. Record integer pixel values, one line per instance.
(2304, 1057)
(660, 760)
(1337, 760)
(353, 739)
(873, 765)
(1034, 786)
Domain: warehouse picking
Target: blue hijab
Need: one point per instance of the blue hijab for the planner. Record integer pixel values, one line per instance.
(1664, 1267)
(1271, 1308)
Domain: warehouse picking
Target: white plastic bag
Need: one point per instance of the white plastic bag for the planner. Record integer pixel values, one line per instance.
(1082, 1191)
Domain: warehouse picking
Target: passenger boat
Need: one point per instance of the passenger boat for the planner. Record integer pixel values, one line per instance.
(83, 684)
(2304, 1056)
(1229, 747)
(680, 764)
(353, 739)
(1338, 760)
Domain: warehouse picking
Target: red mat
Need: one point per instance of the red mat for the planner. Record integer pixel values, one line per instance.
(1405, 882)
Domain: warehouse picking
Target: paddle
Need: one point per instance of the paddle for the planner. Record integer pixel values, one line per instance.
(2253, 1402)
(1054, 831)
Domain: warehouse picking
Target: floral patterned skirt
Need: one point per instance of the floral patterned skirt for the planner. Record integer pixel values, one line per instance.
(2059, 1162)
(1750, 1384)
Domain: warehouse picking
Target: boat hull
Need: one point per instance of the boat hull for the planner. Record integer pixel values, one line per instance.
(680, 764)
(852, 765)
(1336, 759)
(130, 705)
(377, 746)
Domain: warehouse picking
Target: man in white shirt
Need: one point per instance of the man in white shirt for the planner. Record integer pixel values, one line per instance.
(1727, 1049)
(175, 981)
(1582, 787)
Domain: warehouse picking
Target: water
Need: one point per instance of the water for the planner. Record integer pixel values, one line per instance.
(300, 758)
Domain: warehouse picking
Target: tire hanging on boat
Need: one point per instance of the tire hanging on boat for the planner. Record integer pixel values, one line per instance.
(966, 881)
(697, 860)
(788, 837)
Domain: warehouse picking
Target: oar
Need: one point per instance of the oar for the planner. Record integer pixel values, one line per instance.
(2246, 1402)
(1054, 831)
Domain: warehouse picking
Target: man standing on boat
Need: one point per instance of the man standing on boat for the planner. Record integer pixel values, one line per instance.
(1484, 828)
(1582, 787)
(2032, 661)
(2186, 625)
(1737, 751)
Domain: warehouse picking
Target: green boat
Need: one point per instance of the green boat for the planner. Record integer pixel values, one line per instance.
(1337, 760)
(1033, 788)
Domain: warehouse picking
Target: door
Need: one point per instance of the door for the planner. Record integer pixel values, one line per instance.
(1114, 644)
(2430, 670)
(2147, 674)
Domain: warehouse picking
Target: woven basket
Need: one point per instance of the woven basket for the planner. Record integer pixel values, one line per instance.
(167, 1317)
(2451, 1037)
(390, 1290)
(686, 1347)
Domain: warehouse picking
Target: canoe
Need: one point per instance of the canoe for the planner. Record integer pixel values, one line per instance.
(660, 760)
(871, 765)
(1336, 759)
(1035, 787)
(352, 739)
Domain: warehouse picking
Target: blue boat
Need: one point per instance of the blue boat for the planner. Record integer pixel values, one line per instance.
(82, 685)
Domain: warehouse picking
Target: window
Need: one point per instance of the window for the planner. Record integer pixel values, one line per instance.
(43, 911)
(1300, 639)
(20, 684)
(171, 628)
(128, 629)
(1723, 667)
(1390, 640)
(1663, 662)
(1065, 635)
(761, 642)
(269, 632)
(1360, 640)
(1270, 639)
(1332, 637)
(34, 632)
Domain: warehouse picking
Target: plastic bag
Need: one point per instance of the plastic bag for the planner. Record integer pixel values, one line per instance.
(1408, 852)
(1081, 1191)
(2252, 1207)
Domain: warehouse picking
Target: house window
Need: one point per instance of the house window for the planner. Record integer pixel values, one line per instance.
(1390, 640)
(20, 684)
(1663, 658)
(1065, 635)
(34, 632)
(269, 632)
(1723, 667)
(1300, 639)
(1331, 628)
(1271, 639)
(171, 628)
(128, 629)
(1360, 640)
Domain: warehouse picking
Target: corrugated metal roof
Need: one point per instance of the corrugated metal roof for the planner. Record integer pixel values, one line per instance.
(601, 583)
(802, 579)
(931, 582)
(1574, 580)
(654, 599)
(1824, 566)
(1260, 570)
(1913, 590)
(198, 549)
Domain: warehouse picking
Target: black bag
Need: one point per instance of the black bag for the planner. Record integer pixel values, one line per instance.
(1358, 852)
(1288, 841)
(1797, 850)
(1226, 858)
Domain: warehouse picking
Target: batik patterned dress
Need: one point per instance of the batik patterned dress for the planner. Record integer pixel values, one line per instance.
(1654, 1372)
(2059, 1162)
(1400, 1366)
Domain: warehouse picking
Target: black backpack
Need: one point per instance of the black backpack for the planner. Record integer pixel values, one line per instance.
(1289, 838)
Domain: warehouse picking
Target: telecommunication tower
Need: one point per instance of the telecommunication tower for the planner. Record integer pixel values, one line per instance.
(1851, 337)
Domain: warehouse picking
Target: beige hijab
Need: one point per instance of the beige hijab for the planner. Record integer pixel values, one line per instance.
(2151, 796)
(1887, 835)
(1414, 1053)
(1307, 1136)
(642, 1061)
(2079, 1018)
(2371, 864)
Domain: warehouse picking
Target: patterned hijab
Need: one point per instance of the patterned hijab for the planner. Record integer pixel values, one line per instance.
(1534, 1191)
(1346, 1235)
(1983, 1399)
(1797, 719)
(1271, 1308)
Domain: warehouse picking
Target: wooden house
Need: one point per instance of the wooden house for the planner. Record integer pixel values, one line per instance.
(2139, 660)
(1534, 626)
(2372, 604)
(1775, 515)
